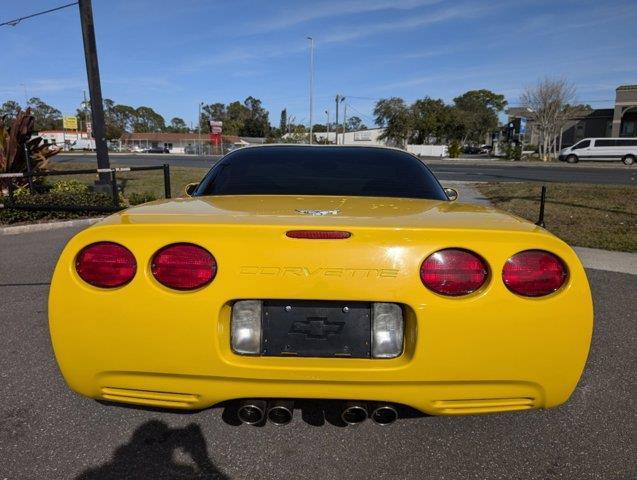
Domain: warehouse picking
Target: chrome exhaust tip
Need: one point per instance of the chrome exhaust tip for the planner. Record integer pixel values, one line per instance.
(384, 414)
(251, 412)
(354, 413)
(280, 412)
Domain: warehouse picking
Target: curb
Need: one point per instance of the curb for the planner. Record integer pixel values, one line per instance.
(40, 227)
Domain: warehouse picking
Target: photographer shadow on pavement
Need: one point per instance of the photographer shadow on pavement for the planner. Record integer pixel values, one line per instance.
(157, 451)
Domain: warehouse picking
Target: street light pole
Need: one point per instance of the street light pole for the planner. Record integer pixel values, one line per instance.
(344, 117)
(327, 139)
(311, 85)
(338, 99)
(199, 149)
(94, 89)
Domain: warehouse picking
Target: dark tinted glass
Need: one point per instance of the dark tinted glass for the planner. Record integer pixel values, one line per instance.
(627, 142)
(304, 170)
(605, 143)
(582, 144)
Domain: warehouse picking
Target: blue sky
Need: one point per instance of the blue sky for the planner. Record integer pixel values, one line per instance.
(171, 55)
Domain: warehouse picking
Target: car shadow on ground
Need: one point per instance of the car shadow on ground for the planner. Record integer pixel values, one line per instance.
(155, 451)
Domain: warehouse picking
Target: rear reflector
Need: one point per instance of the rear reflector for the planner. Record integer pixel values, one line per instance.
(106, 265)
(318, 234)
(534, 273)
(184, 266)
(453, 272)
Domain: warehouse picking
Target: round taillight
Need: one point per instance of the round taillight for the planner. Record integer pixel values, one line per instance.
(184, 266)
(106, 265)
(534, 273)
(453, 272)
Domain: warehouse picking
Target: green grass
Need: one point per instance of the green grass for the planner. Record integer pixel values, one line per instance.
(596, 216)
(144, 182)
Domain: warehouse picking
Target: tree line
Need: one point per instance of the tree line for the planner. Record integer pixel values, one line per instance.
(468, 119)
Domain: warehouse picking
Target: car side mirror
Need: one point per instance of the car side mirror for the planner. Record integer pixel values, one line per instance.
(190, 188)
(452, 194)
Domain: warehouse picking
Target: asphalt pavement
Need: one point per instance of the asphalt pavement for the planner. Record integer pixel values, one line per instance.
(478, 170)
(47, 431)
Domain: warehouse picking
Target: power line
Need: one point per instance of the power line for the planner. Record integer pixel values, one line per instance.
(14, 22)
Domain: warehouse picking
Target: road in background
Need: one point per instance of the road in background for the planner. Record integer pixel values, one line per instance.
(47, 431)
(445, 170)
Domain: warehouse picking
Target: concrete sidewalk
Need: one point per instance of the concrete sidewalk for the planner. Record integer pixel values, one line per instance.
(621, 262)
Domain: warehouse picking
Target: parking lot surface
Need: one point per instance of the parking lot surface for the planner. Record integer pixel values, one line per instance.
(48, 432)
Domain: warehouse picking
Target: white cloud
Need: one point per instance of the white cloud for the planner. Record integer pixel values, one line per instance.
(320, 10)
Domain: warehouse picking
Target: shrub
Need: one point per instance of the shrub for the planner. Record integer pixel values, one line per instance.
(137, 198)
(69, 186)
(455, 149)
(64, 199)
(512, 151)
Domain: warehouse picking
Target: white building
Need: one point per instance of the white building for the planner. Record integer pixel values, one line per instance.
(68, 139)
(371, 137)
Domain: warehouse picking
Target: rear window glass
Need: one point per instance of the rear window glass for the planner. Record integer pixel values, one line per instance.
(627, 143)
(339, 171)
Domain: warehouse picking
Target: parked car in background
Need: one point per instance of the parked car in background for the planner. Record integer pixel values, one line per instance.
(471, 150)
(156, 150)
(602, 149)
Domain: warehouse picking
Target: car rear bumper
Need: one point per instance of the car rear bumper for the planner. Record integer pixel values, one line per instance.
(434, 398)
(490, 351)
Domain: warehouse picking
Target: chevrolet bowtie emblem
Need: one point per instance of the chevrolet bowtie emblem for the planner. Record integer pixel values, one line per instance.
(317, 213)
(317, 327)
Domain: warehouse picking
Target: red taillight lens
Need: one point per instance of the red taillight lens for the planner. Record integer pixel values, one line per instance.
(318, 234)
(534, 273)
(453, 272)
(106, 265)
(184, 266)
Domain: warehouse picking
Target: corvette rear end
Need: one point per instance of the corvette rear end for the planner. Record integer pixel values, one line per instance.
(441, 306)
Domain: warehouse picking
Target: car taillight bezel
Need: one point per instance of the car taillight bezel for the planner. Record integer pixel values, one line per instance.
(158, 275)
(564, 276)
(80, 265)
(477, 287)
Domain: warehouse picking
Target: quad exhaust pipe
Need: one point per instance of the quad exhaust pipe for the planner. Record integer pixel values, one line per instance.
(354, 413)
(280, 412)
(383, 414)
(252, 412)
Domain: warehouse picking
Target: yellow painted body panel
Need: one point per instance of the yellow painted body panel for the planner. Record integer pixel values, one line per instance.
(489, 351)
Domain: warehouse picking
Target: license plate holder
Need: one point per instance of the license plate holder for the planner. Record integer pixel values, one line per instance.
(311, 328)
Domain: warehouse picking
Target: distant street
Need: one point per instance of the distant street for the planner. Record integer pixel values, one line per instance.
(445, 170)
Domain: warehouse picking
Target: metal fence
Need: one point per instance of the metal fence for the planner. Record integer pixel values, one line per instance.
(10, 201)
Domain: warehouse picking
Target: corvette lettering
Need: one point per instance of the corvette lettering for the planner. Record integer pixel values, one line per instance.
(319, 272)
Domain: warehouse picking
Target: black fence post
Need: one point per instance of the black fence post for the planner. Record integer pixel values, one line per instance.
(167, 193)
(114, 189)
(27, 159)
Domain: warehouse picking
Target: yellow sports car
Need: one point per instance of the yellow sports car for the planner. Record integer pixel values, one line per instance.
(321, 272)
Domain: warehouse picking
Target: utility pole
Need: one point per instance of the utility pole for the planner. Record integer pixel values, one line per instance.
(338, 99)
(199, 129)
(311, 85)
(85, 107)
(344, 118)
(94, 88)
(327, 139)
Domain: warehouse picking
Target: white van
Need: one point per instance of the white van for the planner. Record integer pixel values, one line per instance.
(604, 149)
